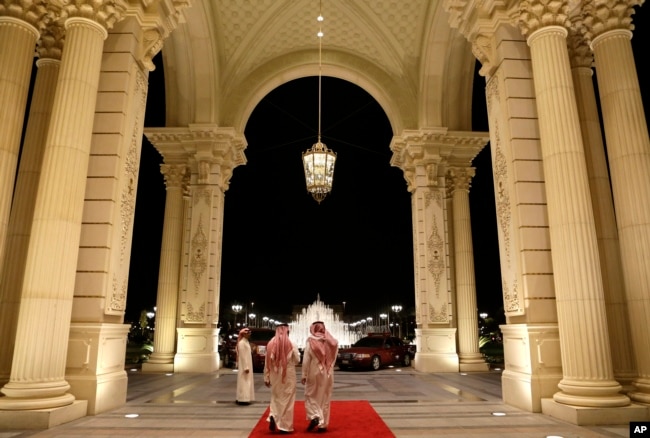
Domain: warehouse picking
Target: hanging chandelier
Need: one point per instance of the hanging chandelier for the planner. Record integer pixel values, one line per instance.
(319, 161)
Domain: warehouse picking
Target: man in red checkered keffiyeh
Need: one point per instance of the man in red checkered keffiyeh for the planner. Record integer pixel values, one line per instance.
(282, 357)
(318, 375)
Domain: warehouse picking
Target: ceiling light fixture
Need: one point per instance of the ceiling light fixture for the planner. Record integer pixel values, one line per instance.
(319, 161)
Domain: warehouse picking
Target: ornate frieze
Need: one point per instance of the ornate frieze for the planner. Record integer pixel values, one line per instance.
(199, 255)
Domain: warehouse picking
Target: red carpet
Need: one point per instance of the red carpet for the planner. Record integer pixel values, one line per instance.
(348, 419)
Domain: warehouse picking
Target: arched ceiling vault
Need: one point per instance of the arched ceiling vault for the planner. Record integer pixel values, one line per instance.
(228, 54)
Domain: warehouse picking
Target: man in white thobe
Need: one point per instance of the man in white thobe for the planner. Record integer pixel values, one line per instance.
(245, 383)
(282, 356)
(318, 375)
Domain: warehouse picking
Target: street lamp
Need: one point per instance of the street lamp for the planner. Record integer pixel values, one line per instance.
(397, 309)
(266, 321)
(252, 318)
(236, 308)
(383, 317)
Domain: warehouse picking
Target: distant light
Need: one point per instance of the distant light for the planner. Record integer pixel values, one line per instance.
(497, 369)
(169, 374)
(499, 414)
(554, 436)
(399, 370)
(463, 374)
(131, 415)
(133, 369)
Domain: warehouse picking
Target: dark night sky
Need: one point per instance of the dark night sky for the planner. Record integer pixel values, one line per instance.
(279, 246)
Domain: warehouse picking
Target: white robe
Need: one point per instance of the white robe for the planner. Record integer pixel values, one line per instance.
(283, 394)
(318, 388)
(245, 381)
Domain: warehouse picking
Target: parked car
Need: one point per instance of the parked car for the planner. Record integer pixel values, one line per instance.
(258, 340)
(375, 351)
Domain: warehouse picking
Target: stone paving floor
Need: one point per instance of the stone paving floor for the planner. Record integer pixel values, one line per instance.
(411, 403)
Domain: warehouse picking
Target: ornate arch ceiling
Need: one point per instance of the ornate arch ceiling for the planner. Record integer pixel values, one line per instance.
(230, 53)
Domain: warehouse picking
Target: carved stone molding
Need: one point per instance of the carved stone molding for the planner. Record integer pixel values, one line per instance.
(158, 18)
(426, 153)
(220, 147)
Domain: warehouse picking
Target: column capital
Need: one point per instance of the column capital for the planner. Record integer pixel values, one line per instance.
(534, 15)
(31, 12)
(158, 20)
(426, 153)
(104, 12)
(580, 54)
(174, 174)
(602, 16)
(202, 146)
(460, 178)
(50, 45)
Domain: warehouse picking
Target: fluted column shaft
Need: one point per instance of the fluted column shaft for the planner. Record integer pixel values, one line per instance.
(22, 212)
(586, 360)
(467, 313)
(38, 367)
(628, 147)
(605, 221)
(164, 341)
(17, 39)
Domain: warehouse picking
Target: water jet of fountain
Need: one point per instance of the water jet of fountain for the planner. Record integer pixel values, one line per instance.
(318, 311)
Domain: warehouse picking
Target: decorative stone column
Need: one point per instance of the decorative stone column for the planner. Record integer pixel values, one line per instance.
(164, 341)
(531, 342)
(48, 288)
(471, 359)
(423, 156)
(19, 30)
(618, 324)
(628, 149)
(588, 379)
(211, 153)
(22, 211)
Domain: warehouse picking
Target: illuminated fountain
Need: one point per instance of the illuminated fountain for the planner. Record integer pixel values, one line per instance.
(318, 311)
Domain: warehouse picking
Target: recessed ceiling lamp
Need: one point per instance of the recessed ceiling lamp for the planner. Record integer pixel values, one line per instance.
(319, 161)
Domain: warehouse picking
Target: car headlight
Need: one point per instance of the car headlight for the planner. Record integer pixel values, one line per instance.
(361, 356)
(261, 349)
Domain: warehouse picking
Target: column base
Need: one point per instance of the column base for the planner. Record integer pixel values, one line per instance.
(582, 416)
(43, 418)
(436, 362)
(436, 350)
(95, 365)
(474, 367)
(197, 350)
(533, 365)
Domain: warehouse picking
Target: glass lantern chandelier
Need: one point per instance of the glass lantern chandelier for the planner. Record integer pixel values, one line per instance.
(319, 161)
